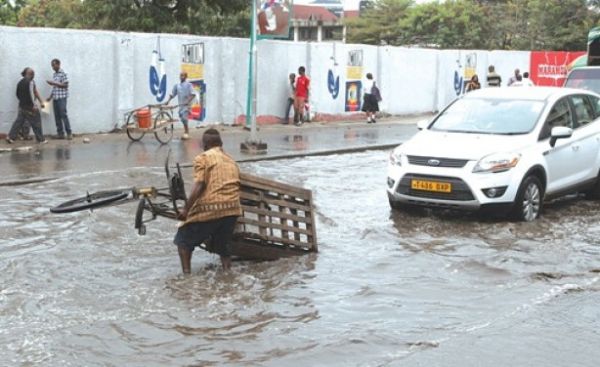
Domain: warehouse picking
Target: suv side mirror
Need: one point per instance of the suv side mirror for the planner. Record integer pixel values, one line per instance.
(559, 132)
(422, 124)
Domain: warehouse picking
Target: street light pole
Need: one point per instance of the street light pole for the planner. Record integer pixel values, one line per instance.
(253, 145)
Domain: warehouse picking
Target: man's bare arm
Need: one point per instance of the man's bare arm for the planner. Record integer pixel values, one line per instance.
(194, 196)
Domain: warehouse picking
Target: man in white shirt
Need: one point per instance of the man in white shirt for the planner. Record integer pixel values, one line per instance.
(526, 81)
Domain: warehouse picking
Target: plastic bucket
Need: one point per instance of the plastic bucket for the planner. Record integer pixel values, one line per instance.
(144, 118)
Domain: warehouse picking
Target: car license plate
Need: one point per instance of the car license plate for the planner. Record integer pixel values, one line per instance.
(434, 186)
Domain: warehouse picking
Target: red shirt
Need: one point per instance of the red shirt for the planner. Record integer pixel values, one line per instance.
(302, 85)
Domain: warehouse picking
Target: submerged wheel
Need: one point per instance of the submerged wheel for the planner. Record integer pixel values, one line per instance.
(163, 127)
(394, 204)
(90, 201)
(528, 203)
(594, 192)
(135, 135)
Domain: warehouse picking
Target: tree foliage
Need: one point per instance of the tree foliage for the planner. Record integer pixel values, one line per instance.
(479, 24)
(207, 17)
(475, 24)
(379, 23)
(9, 11)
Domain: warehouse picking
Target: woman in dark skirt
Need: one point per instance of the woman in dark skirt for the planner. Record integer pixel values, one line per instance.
(370, 99)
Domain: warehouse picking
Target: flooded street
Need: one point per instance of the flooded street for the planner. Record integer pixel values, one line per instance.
(386, 289)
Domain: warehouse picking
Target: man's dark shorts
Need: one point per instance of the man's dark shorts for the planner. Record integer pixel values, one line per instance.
(220, 230)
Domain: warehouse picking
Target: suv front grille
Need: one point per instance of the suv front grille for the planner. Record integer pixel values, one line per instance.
(460, 190)
(444, 162)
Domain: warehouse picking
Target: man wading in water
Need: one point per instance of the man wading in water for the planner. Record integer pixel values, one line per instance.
(214, 203)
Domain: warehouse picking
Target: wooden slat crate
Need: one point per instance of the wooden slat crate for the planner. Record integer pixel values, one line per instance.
(278, 220)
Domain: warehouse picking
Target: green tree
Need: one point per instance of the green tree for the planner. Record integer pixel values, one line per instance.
(9, 11)
(452, 24)
(379, 24)
(206, 17)
(480, 24)
(555, 24)
(51, 13)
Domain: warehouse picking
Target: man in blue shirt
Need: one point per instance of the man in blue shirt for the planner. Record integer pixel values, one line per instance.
(60, 93)
(185, 94)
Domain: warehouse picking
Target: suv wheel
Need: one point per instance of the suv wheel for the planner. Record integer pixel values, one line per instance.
(528, 203)
(594, 192)
(395, 204)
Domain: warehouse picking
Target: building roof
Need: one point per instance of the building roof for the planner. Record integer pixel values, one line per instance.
(351, 13)
(313, 13)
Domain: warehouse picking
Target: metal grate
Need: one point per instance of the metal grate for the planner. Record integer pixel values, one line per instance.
(443, 162)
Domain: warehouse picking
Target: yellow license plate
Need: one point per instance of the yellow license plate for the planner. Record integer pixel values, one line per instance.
(434, 186)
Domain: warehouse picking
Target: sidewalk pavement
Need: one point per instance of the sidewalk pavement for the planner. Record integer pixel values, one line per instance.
(25, 162)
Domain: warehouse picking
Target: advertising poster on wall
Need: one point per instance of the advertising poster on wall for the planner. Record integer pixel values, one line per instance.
(353, 94)
(354, 72)
(198, 109)
(192, 62)
(550, 68)
(274, 18)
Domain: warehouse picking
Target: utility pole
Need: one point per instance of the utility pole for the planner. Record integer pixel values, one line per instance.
(252, 145)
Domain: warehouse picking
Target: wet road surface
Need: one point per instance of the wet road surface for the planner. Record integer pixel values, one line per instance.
(116, 151)
(387, 289)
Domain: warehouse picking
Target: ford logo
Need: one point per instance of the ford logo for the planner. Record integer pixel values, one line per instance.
(433, 162)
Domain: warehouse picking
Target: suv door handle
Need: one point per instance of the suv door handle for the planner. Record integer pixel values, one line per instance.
(575, 147)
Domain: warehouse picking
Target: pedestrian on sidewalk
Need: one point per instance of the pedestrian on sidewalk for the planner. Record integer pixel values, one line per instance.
(513, 79)
(518, 81)
(28, 113)
(371, 99)
(213, 206)
(59, 95)
(473, 83)
(493, 79)
(526, 81)
(291, 94)
(301, 96)
(185, 95)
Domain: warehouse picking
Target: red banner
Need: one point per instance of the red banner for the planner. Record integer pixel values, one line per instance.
(550, 68)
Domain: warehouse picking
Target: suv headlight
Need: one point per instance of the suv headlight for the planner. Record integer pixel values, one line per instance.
(498, 162)
(395, 158)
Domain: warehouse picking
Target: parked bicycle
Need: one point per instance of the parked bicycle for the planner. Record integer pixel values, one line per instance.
(152, 118)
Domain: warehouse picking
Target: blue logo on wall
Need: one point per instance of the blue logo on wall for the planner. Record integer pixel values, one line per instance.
(333, 84)
(158, 75)
(458, 83)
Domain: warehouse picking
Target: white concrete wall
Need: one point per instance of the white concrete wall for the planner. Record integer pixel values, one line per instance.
(108, 73)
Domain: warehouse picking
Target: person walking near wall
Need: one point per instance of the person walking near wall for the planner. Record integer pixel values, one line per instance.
(213, 205)
(493, 78)
(371, 99)
(291, 94)
(301, 96)
(185, 95)
(59, 95)
(526, 81)
(518, 82)
(473, 83)
(28, 113)
(513, 79)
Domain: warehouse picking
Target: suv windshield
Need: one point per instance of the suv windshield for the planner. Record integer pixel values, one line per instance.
(489, 116)
(588, 79)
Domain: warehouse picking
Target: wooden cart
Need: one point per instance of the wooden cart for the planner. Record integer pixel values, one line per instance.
(277, 221)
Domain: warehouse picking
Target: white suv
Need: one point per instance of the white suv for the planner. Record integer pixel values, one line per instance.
(502, 149)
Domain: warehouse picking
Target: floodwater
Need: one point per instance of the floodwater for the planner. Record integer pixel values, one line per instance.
(386, 289)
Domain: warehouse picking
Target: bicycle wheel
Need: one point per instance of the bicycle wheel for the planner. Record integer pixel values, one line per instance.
(163, 127)
(90, 201)
(135, 135)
